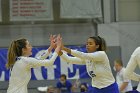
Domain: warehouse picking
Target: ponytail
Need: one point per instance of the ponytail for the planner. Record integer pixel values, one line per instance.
(103, 44)
(11, 55)
(14, 51)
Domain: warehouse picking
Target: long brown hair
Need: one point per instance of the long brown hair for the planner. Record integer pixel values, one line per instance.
(99, 41)
(15, 50)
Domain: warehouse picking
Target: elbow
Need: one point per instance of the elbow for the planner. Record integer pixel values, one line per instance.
(127, 74)
(65, 59)
(50, 63)
(68, 61)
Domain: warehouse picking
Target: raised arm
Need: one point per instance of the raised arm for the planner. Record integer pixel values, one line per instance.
(96, 56)
(129, 71)
(32, 62)
(43, 55)
(46, 53)
(71, 60)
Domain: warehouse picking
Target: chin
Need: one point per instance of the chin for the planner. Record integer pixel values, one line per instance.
(88, 51)
(30, 54)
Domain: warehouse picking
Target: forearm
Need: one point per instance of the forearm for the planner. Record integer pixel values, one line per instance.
(33, 62)
(72, 60)
(123, 86)
(58, 49)
(68, 50)
(52, 59)
(133, 76)
(76, 54)
(50, 49)
(44, 55)
(98, 56)
(129, 71)
(60, 53)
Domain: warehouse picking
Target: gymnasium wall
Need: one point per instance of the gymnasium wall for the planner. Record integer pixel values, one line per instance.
(38, 35)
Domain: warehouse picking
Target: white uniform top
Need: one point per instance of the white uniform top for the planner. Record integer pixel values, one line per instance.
(133, 62)
(120, 79)
(97, 65)
(21, 71)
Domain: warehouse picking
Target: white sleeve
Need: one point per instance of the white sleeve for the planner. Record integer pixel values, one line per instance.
(44, 55)
(129, 71)
(95, 57)
(72, 60)
(125, 79)
(33, 62)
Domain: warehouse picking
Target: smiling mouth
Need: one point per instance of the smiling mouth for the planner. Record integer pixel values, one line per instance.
(87, 48)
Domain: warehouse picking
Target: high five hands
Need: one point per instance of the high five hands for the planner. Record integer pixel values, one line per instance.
(56, 43)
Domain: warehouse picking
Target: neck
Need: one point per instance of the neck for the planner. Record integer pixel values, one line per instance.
(25, 55)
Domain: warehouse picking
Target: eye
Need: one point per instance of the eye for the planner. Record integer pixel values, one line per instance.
(90, 43)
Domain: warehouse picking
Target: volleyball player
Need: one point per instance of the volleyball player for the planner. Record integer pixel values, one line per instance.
(132, 64)
(21, 64)
(97, 64)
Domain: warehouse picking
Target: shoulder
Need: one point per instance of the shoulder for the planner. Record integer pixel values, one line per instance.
(27, 59)
(136, 51)
(23, 58)
(100, 52)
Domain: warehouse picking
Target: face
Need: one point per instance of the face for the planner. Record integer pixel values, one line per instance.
(91, 45)
(28, 50)
(62, 80)
(117, 67)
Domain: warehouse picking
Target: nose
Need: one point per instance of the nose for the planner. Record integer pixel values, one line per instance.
(87, 46)
(31, 47)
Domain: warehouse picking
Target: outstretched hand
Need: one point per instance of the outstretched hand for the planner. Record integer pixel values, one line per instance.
(52, 41)
(58, 43)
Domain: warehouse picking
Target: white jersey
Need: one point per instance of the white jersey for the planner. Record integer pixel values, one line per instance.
(120, 80)
(97, 65)
(21, 71)
(133, 62)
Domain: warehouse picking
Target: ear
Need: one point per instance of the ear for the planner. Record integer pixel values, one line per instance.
(23, 50)
(97, 46)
